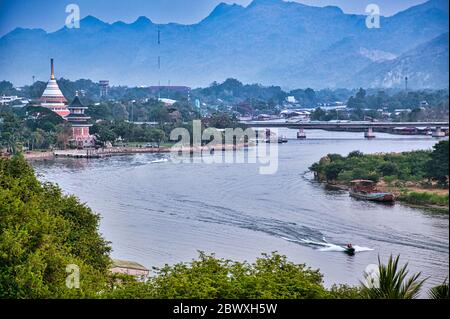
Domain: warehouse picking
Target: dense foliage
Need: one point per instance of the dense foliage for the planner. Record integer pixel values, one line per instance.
(32, 127)
(43, 231)
(401, 106)
(127, 132)
(271, 276)
(397, 100)
(147, 110)
(412, 166)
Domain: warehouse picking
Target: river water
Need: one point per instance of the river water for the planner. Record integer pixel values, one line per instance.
(164, 212)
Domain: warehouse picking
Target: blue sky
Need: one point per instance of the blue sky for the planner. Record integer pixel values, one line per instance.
(50, 15)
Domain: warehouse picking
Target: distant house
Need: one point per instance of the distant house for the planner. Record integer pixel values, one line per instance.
(130, 268)
(291, 99)
(6, 100)
(263, 117)
(400, 111)
(299, 114)
(167, 102)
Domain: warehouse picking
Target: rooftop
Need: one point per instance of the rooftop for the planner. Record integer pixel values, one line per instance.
(128, 264)
(76, 104)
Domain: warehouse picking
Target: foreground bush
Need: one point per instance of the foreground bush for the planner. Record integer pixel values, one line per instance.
(270, 277)
(43, 231)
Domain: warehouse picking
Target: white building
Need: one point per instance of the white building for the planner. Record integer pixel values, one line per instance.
(291, 99)
(6, 100)
(168, 102)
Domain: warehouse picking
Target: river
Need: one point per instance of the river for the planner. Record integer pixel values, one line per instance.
(158, 213)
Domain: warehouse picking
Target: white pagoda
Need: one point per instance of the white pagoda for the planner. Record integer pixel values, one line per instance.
(52, 98)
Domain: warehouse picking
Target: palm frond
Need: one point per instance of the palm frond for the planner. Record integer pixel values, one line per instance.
(439, 292)
(392, 282)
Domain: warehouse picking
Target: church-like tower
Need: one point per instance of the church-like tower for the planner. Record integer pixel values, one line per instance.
(52, 98)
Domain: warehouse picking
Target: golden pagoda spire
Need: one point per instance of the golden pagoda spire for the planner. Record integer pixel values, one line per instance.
(53, 69)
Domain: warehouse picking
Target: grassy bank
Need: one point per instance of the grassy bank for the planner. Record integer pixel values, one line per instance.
(429, 199)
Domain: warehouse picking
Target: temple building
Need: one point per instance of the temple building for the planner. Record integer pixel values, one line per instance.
(80, 124)
(52, 98)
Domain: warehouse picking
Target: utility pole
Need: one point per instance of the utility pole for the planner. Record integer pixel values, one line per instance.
(159, 63)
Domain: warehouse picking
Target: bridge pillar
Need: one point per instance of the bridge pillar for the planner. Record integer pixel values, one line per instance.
(268, 136)
(369, 134)
(301, 135)
(438, 132)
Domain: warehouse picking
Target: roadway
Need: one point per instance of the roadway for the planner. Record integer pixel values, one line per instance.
(313, 125)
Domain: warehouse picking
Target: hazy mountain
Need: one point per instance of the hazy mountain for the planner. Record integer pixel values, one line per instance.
(268, 42)
(426, 67)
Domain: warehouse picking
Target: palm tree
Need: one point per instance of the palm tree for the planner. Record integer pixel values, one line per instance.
(391, 282)
(439, 292)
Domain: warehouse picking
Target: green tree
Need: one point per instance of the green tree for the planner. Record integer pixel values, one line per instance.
(104, 133)
(437, 166)
(271, 276)
(43, 231)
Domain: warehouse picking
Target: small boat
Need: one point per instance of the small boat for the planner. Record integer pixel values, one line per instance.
(350, 251)
(365, 190)
(282, 140)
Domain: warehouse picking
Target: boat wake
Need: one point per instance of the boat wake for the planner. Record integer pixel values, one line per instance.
(326, 246)
(164, 160)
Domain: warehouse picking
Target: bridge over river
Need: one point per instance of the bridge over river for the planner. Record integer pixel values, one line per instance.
(436, 128)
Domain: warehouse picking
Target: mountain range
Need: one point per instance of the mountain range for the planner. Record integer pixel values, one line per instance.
(267, 42)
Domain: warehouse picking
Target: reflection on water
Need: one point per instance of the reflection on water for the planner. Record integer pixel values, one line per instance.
(158, 212)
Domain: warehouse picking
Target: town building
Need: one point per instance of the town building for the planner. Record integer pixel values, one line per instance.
(130, 268)
(104, 88)
(52, 98)
(167, 102)
(6, 100)
(13, 101)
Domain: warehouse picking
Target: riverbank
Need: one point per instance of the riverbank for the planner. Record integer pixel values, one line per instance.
(418, 178)
(123, 150)
(417, 197)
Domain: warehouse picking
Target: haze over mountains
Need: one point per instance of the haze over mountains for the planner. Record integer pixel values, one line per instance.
(267, 42)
